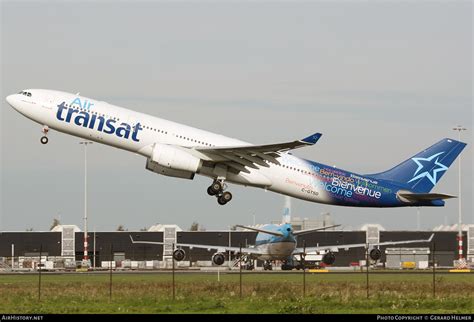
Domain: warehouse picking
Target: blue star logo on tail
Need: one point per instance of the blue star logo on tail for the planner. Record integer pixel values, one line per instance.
(432, 167)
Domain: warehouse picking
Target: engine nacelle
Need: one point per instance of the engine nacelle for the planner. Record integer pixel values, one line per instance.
(170, 157)
(155, 167)
(375, 254)
(329, 258)
(178, 254)
(218, 258)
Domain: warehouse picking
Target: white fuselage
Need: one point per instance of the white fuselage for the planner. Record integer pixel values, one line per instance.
(292, 177)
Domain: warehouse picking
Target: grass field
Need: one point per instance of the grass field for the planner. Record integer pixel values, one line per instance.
(262, 293)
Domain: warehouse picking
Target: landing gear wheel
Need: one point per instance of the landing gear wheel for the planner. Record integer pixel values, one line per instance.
(267, 266)
(224, 198)
(221, 201)
(44, 139)
(286, 267)
(210, 192)
(216, 187)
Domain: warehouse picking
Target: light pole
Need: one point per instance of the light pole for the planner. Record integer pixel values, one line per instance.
(418, 221)
(93, 265)
(459, 128)
(13, 256)
(230, 243)
(86, 255)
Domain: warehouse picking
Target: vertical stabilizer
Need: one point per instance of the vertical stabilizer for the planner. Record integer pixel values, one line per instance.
(423, 171)
(287, 211)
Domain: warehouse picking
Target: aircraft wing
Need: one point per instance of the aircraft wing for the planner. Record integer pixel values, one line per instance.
(246, 250)
(335, 248)
(252, 156)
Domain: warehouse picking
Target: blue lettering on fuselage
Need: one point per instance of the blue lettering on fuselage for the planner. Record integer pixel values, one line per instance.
(86, 105)
(85, 119)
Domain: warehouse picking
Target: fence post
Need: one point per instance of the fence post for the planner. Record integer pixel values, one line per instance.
(172, 258)
(303, 264)
(240, 270)
(367, 267)
(39, 273)
(434, 271)
(110, 273)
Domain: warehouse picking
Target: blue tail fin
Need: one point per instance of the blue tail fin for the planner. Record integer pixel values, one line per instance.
(421, 172)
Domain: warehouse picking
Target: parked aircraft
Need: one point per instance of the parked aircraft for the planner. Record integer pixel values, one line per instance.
(279, 243)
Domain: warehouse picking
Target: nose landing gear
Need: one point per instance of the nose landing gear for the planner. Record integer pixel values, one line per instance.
(44, 138)
(217, 189)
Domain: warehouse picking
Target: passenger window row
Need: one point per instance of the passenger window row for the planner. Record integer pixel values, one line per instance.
(193, 140)
(295, 169)
(154, 129)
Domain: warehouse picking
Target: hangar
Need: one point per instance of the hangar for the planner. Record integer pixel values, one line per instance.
(67, 244)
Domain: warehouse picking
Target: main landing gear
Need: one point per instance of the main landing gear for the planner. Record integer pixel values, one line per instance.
(44, 138)
(267, 266)
(248, 263)
(217, 189)
(287, 265)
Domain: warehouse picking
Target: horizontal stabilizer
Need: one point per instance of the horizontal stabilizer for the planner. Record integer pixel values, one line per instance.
(306, 231)
(274, 233)
(412, 197)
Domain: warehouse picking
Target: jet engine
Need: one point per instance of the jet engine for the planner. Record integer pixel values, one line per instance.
(329, 258)
(218, 258)
(375, 254)
(173, 162)
(178, 254)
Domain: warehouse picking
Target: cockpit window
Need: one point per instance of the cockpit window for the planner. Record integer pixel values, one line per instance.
(25, 93)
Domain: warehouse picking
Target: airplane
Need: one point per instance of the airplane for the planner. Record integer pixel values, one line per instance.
(180, 151)
(278, 243)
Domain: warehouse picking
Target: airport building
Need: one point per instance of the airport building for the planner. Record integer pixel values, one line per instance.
(64, 247)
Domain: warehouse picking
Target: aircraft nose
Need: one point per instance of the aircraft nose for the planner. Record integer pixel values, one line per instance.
(11, 100)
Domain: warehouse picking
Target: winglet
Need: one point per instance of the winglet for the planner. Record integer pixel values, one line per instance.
(312, 139)
(431, 238)
(145, 242)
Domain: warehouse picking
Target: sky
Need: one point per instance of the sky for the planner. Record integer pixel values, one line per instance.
(381, 81)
